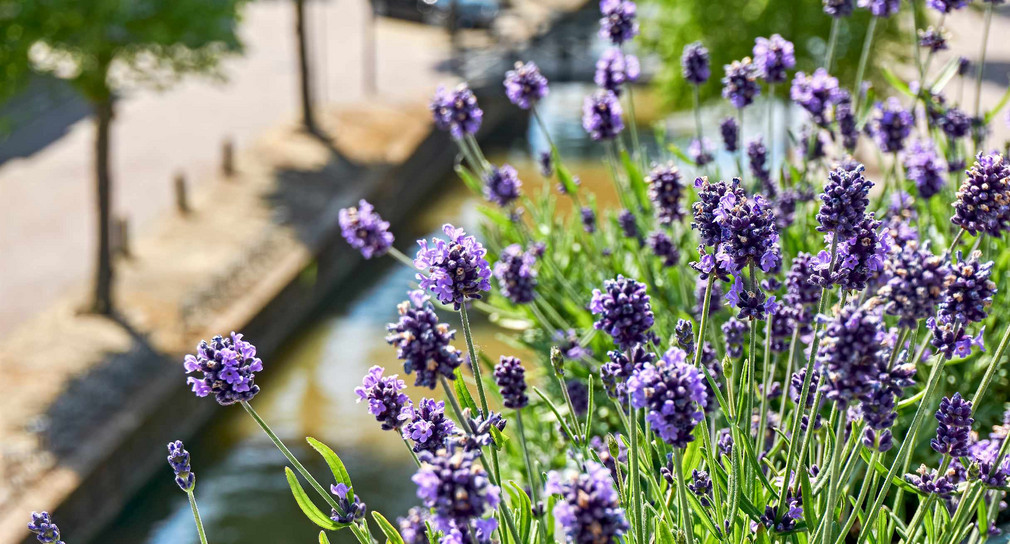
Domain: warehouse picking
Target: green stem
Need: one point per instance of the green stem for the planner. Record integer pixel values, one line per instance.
(196, 517)
(678, 462)
(832, 42)
(863, 57)
(833, 485)
(636, 483)
(474, 363)
(981, 65)
(411, 450)
(404, 260)
(869, 481)
(534, 484)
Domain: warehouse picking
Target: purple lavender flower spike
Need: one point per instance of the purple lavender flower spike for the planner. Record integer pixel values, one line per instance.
(730, 131)
(846, 119)
(457, 490)
(421, 342)
(413, 528)
(618, 23)
(621, 365)
(501, 185)
(740, 85)
(751, 233)
(969, 291)
(228, 367)
(843, 201)
(45, 530)
(925, 168)
(511, 379)
(930, 483)
(816, 93)
(701, 151)
(662, 246)
(839, 8)
(666, 191)
(624, 311)
(701, 486)
(684, 331)
(614, 69)
(588, 220)
(953, 432)
(878, 409)
(983, 200)
(456, 268)
(708, 206)
(178, 459)
(881, 8)
(694, 63)
(456, 111)
(425, 424)
(365, 230)
(950, 338)
(850, 353)
(757, 157)
(947, 6)
(385, 397)
(932, 39)
(890, 125)
(733, 331)
(672, 392)
(588, 508)
(525, 85)
(629, 225)
(601, 115)
(862, 256)
(916, 284)
(516, 275)
(351, 509)
(774, 57)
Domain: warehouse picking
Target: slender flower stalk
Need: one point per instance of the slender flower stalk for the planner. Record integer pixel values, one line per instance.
(196, 517)
(863, 57)
(980, 70)
(685, 511)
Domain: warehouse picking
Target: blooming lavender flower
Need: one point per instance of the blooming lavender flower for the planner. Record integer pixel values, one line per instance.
(787, 522)
(588, 220)
(525, 85)
(614, 69)
(878, 410)
(850, 353)
(860, 257)
(930, 482)
(351, 509)
(413, 528)
(501, 185)
(457, 490)
(45, 530)
(456, 111)
(478, 429)
(739, 85)
(983, 200)
(881, 8)
(516, 275)
(684, 331)
(838, 8)
(950, 337)
(925, 168)
(816, 93)
(421, 342)
(700, 151)
(694, 63)
(915, 285)
(673, 395)
(629, 225)
(701, 486)
(954, 428)
(969, 290)
(753, 304)
(757, 155)
(751, 233)
(426, 425)
(843, 201)
(178, 459)
(890, 125)
(932, 39)
(457, 270)
(624, 311)
(228, 367)
(730, 131)
(511, 380)
(734, 330)
(666, 192)
(707, 208)
(846, 120)
(365, 230)
(601, 115)
(588, 508)
(947, 6)
(621, 365)
(955, 123)
(662, 246)
(799, 289)
(618, 23)
(384, 396)
(774, 56)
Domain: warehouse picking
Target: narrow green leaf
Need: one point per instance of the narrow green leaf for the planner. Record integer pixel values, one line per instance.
(462, 392)
(896, 82)
(305, 504)
(525, 509)
(469, 179)
(636, 179)
(999, 106)
(589, 411)
(564, 175)
(392, 535)
(947, 74)
(677, 152)
(332, 460)
(322, 538)
(557, 414)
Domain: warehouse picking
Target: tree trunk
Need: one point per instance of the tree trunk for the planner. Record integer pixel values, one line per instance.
(102, 302)
(304, 76)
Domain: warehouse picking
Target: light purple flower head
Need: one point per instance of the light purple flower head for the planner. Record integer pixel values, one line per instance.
(601, 115)
(925, 168)
(457, 490)
(694, 63)
(983, 200)
(947, 6)
(624, 311)
(516, 275)
(228, 367)
(525, 85)
(953, 433)
(672, 392)
(456, 268)
(365, 230)
(501, 185)
(385, 397)
(589, 508)
(422, 342)
(618, 23)
(426, 426)
(615, 68)
(774, 57)
(816, 93)
(890, 125)
(740, 85)
(881, 8)
(178, 459)
(45, 530)
(456, 111)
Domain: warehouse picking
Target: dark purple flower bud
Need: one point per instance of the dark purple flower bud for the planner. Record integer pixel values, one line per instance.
(546, 163)
(413, 528)
(955, 123)
(969, 291)
(740, 85)
(774, 57)
(953, 432)
(816, 93)
(384, 396)
(793, 513)
(178, 459)
(516, 275)
(950, 338)
(511, 380)
(983, 200)
(456, 111)
(501, 185)
(624, 311)
(601, 115)
(421, 342)
(588, 220)
(929, 482)
(478, 429)
(878, 412)
(881, 8)
(799, 289)
(628, 224)
(615, 373)
(751, 235)
(701, 486)
(947, 6)
(425, 424)
(228, 367)
(708, 208)
(457, 490)
(890, 125)
(664, 248)
(757, 155)
(734, 331)
(456, 268)
(839, 8)
(618, 23)
(588, 507)
(850, 353)
(730, 133)
(963, 64)
(753, 305)
(45, 530)
(701, 151)
(351, 509)
(861, 258)
(843, 201)
(525, 85)
(672, 392)
(916, 285)
(694, 63)
(614, 69)
(925, 168)
(932, 39)
(666, 192)
(365, 230)
(684, 332)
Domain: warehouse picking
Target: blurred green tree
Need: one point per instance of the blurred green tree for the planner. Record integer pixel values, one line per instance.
(728, 29)
(103, 46)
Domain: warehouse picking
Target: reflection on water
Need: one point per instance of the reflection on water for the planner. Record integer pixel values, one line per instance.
(308, 391)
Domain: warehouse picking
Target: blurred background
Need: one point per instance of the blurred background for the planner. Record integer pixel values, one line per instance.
(171, 170)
